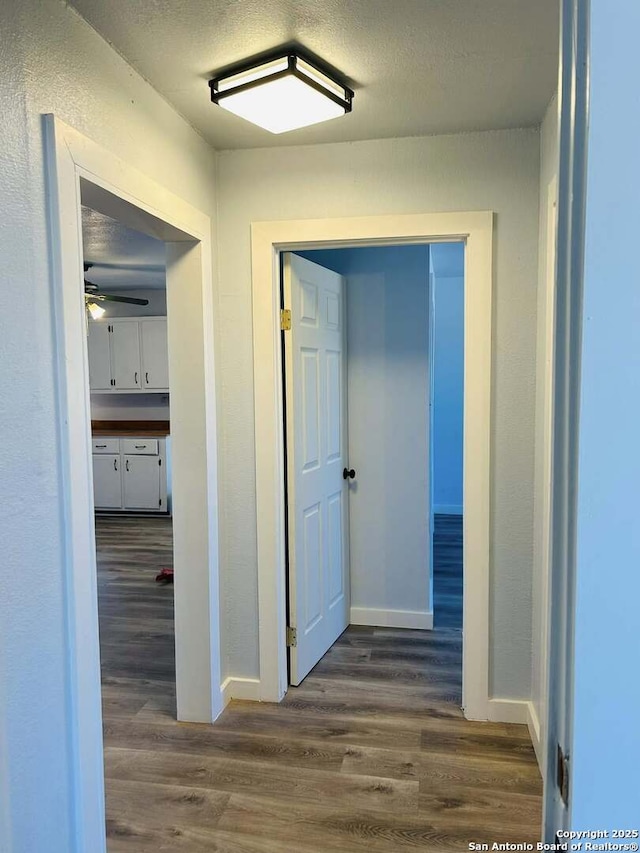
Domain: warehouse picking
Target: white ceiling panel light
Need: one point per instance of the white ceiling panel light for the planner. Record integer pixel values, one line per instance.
(283, 93)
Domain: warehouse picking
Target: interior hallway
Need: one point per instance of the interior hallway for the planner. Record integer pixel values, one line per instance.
(370, 753)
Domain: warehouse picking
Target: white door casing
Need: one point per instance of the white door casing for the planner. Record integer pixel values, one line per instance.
(75, 166)
(317, 495)
(269, 239)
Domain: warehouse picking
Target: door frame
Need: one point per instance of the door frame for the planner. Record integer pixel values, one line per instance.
(268, 240)
(80, 171)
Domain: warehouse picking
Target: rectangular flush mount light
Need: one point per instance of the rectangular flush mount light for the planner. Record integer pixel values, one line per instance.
(282, 94)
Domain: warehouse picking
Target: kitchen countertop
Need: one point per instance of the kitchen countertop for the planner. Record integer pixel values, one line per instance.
(150, 429)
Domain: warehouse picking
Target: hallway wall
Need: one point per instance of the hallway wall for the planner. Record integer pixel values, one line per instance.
(53, 61)
(605, 745)
(497, 171)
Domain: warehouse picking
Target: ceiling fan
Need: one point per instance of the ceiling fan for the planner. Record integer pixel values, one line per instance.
(92, 297)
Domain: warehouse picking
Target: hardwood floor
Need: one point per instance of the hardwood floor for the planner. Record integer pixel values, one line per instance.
(371, 753)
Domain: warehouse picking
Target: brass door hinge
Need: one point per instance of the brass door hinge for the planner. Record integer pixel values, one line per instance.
(292, 636)
(285, 320)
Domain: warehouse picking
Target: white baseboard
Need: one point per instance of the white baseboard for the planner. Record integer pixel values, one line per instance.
(508, 710)
(447, 509)
(240, 688)
(533, 724)
(380, 618)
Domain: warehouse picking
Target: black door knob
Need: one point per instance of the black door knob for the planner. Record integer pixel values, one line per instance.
(348, 473)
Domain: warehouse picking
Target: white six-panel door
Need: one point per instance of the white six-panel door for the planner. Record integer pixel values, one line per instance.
(317, 499)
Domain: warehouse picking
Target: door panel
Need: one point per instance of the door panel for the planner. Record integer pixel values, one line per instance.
(335, 535)
(309, 409)
(316, 456)
(312, 566)
(99, 357)
(107, 482)
(333, 411)
(125, 355)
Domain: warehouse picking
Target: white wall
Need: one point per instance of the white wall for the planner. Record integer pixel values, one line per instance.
(133, 407)
(52, 61)
(130, 407)
(605, 749)
(541, 565)
(495, 170)
(388, 408)
(448, 380)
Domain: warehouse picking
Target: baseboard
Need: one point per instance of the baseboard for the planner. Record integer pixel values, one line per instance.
(508, 710)
(533, 724)
(379, 618)
(240, 688)
(447, 509)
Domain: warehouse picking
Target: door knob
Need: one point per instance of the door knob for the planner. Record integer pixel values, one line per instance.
(348, 473)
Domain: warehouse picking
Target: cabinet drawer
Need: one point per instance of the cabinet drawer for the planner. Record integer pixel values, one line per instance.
(106, 445)
(140, 446)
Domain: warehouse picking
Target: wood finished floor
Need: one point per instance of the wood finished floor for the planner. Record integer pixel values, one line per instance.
(371, 753)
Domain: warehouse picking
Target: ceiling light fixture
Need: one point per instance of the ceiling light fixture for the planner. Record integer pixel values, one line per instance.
(283, 93)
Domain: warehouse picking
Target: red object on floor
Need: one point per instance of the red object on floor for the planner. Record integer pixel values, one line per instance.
(165, 576)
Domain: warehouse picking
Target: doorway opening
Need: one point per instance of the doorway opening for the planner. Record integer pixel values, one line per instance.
(128, 361)
(373, 422)
(269, 240)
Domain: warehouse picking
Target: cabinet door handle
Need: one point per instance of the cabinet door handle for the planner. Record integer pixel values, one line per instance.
(146, 377)
(115, 464)
(126, 465)
(135, 378)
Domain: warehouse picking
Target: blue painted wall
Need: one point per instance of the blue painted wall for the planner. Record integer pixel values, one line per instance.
(447, 263)
(448, 399)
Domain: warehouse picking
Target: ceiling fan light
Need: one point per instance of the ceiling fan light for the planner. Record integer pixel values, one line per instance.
(282, 94)
(96, 311)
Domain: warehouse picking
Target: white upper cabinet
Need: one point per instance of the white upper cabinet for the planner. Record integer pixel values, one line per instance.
(99, 356)
(155, 361)
(125, 355)
(128, 355)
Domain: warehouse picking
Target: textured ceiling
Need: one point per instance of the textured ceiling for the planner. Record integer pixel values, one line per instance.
(417, 66)
(124, 259)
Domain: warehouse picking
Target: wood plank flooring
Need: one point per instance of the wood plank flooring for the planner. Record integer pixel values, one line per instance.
(371, 753)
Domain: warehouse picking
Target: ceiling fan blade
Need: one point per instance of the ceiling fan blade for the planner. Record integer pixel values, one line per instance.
(142, 268)
(108, 297)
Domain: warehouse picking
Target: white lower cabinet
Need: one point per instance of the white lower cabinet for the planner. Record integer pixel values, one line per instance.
(141, 482)
(130, 474)
(107, 481)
